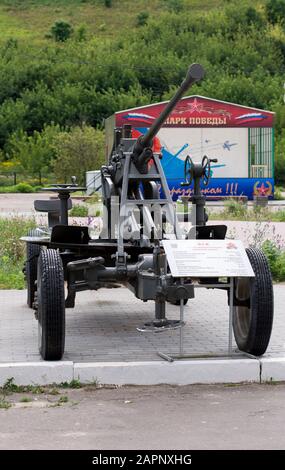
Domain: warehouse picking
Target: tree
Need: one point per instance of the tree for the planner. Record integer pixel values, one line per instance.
(275, 11)
(78, 151)
(280, 159)
(61, 30)
(34, 152)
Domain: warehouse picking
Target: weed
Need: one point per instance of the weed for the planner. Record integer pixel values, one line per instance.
(75, 383)
(26, 400)
(4, 404)
(53, 391)
(12, 251)
(63, 399)
(10, 387)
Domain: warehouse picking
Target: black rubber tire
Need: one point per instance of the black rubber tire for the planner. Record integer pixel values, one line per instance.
(32, 253)
(252, 324)
(51, 305)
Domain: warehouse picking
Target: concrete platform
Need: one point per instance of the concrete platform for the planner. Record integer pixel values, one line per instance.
(102, 343)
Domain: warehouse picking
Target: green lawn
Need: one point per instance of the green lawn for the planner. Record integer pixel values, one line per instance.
(31, 19)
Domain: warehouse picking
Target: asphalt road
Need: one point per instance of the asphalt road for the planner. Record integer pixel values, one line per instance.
(161, 417)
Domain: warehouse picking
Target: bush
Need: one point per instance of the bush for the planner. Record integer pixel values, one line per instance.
(24, 188)
(278, 194)
(235, 209)
(79, 211)
(78, 151)
(275, 11)
(61, 31)
(33, 152)
(12, 251)
(142, 18)
(174, 5)
(276, 259)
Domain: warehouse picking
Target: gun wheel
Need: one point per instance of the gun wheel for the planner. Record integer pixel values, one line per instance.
(51, 305)
(32, 252)
(252, 320)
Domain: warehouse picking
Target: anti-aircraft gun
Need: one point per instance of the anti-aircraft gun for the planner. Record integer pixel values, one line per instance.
(138, 214)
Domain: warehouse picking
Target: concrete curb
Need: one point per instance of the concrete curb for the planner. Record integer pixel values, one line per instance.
(182, 372)
(36, 373)
(162, 372)
(272, 369)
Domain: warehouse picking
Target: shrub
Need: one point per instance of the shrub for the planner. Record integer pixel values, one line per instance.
(108, 3)
(275, 10)
(78, 151)
(142, 18)
(12, 251)
(276, 259)
(174, 5)
(278, 194)
(33, 152)
(24, 188)
(61, 31)
(79, 211)
(235, 209)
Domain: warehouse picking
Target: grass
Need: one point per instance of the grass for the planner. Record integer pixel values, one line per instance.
(10, 387)
(30, 20)
(12, 251)
(73, 384)
(18, 188)
(26, 400)
(237, 211)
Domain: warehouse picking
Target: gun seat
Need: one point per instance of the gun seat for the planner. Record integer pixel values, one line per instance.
(52, 207)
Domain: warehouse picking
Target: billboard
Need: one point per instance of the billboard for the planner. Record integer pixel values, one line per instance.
(201, 126)
(228, 145)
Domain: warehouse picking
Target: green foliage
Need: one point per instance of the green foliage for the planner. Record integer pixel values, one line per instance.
(79, 211)
(108, 3)
(75, 383)
(33, 152)
(11, 387)
(235, 209)
(81, 33)
(276, 259)
(24, 188)
(280, 158)
(12, 251)
(77, 151)
(278, 196)
(61, 31)
(174, 5)
(275, 10)
(142, 18)
(118, 66)
(4, 404)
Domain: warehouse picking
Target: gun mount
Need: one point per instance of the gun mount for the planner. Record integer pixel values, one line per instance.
(138, 211)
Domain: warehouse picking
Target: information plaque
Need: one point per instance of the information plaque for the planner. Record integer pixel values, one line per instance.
(207, 258)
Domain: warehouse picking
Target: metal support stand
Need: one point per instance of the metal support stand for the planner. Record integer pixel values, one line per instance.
(230, 352)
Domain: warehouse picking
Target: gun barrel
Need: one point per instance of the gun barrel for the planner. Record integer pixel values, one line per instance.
(194, 74)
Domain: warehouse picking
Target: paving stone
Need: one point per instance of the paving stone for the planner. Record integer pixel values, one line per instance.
(102, 327)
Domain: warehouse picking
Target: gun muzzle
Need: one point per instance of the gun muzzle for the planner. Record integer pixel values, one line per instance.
(195, 73)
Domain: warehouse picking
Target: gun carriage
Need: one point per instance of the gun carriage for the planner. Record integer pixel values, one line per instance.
(138, 211)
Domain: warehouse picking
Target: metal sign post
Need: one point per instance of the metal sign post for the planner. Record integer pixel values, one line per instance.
(198, 259)
(230, 352)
